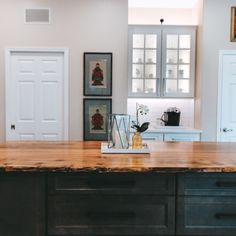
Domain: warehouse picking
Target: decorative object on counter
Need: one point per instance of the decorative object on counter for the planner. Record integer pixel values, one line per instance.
(97, 74)
(118, 131)
(96, 113)
(137, 137)
(171, 117)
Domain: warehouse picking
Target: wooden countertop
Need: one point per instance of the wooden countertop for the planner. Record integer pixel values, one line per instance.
(86, 156)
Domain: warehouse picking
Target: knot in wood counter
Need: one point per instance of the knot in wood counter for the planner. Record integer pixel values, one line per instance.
(86, 156)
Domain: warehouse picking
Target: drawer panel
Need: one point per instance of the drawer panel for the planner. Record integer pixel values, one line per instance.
(110, 215)
(112, 183)
(221, 184)
(152, 136)
(182, 137)
(206, 216)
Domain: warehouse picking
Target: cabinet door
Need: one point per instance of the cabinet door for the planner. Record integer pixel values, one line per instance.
(178, 62)
(206, 216)
(144, 61)
(22, 204)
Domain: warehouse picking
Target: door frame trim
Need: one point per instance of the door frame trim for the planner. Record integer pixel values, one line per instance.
(65, 52)
(222, 53)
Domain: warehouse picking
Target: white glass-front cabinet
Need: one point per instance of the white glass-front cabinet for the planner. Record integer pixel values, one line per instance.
(161, 61)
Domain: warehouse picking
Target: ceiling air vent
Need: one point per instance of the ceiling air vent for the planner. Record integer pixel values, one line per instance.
(37, 16)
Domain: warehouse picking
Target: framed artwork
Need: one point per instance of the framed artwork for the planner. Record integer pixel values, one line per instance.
(97, 74)
(233, 24)
(96, 113)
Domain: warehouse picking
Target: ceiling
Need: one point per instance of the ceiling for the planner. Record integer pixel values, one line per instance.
(162, 3)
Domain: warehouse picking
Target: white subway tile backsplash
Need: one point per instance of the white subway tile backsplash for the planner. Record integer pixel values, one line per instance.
(158, 106)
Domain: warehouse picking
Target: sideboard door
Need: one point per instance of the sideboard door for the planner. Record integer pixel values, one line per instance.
(22, 203)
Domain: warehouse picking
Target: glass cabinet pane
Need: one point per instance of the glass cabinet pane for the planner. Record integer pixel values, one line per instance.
(161, 61)
(150, 56)
(138, 56)
(184, 56)
(184, 86)
(150, 71)
(151, 41)
(171, 71)
(170, 86)
(150, 86)
(138, 41)
(137, 71)
(137, 86)
(184, 71)
(171, 56)
(172, 41)
(184, 41)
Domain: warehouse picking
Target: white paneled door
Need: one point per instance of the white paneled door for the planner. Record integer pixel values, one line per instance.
(227, 97)
(35, 96)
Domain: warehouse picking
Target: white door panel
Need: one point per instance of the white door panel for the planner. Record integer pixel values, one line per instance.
(51, 88)
(26, 101)
(26, 137)
(49, 137)
(228, 99)
(35, 96)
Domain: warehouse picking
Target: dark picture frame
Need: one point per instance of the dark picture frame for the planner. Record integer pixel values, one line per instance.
(233, 25)
(97, 74)
(96, 113)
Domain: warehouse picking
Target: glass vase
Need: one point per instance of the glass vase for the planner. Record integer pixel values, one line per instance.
(137, 141)
(118, 131)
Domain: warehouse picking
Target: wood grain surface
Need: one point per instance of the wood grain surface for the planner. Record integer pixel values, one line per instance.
(86, 156)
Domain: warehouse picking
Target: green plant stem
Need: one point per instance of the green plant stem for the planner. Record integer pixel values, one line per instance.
(137, 111)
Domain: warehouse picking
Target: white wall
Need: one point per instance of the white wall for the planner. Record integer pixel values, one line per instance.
(198, 14)
(216, 36)
(152, 16)
(158, 106)
(81, 26)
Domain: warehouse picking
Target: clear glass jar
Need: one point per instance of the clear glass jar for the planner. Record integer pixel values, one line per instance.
(137, 141)
(118, 131)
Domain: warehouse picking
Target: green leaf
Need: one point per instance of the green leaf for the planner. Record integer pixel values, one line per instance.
(143, 127)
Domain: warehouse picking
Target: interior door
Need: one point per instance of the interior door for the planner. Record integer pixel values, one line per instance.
(227, 98)
(35, 98)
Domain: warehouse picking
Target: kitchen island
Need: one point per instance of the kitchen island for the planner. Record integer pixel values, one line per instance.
(70, 188)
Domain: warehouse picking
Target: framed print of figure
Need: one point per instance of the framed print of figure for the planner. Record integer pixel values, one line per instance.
(233, 24)
(96, 113)
(97, 74)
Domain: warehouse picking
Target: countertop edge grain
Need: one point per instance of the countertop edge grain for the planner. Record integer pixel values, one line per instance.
(165, 157)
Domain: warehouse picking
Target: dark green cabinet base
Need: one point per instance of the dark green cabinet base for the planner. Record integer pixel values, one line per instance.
(22, 204)
(112, 204)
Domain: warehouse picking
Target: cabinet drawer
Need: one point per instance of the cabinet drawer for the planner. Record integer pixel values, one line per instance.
(206, 216)
(152, 136)
(222, 184)
(110, 215)
(112, 183)
(182, 137)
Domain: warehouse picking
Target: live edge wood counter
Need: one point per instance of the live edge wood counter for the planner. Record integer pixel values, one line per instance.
(70, 188)
(86, 156)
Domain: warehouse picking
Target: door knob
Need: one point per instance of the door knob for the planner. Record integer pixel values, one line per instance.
(227, 130)
(13, 127)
